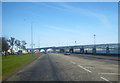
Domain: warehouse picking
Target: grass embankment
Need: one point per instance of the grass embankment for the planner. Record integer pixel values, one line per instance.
(11, 63)
(0, 67)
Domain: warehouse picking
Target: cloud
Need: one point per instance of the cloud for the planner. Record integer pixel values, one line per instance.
(64, 29)
(65, 7)
(99, 16)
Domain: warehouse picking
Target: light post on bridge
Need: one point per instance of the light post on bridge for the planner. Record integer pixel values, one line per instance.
(94, 39)
(94, 48)
(75, 43)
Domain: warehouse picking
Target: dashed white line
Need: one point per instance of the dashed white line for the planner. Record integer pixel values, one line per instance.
(84, 68)
(88, 67)
(72, 62)
(38, 57)
(104, 78)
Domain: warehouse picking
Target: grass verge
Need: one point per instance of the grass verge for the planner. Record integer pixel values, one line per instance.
(11, 63)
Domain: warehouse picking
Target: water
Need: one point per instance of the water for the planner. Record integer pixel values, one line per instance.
(102, 51)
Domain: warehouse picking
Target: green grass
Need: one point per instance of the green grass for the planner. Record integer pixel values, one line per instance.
(11, 63)
(0, 67)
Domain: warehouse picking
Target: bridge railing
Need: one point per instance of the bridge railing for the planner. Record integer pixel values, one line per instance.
(94, 49)
(102, 49)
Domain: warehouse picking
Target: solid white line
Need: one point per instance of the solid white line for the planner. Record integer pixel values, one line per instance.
(72, 62)
(109, 73)
(104, 78)
(84, 68)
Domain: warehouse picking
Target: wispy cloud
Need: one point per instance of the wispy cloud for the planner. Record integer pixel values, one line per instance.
(63, 29)
(99, 16)
(65, 7)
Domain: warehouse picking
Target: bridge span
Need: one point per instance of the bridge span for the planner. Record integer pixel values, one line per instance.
(85, 49)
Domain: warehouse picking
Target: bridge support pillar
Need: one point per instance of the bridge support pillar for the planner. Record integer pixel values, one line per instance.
(71, 50)
(94, 50)
(45, 50)
(107, 50)
(86, 51)
(82, 50)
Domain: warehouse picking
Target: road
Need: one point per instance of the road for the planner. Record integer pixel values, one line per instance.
(59, 67)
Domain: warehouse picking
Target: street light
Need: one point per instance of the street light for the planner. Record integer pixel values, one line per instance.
(94, 49)
(94, 39)
(75, 42)
(32, 38)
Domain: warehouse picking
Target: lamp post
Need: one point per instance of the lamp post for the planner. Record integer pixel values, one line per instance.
(94, 49)
(32, 38)
(75, 43)
(94, 39)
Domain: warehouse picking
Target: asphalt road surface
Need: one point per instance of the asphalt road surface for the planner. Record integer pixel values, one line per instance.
(59, 67)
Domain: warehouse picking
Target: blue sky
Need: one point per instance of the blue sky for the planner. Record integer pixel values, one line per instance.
(61, 23)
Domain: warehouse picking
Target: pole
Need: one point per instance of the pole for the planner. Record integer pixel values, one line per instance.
(38, 43)
(32, 38)
(75, 43)
(94, 49)
(94, 39)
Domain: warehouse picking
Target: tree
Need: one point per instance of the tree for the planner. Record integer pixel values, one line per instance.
(12, 42)
(23, 45)
(4, 44)
(17, 43)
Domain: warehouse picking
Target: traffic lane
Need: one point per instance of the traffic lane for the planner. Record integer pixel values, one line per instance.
(38, 70)
(51, 67)
(70, 71)
(111, 60)
(100, 66)
(110, 71)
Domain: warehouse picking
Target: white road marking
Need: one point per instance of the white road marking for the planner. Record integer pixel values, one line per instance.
(72, 62)
(109, 73)
(88, 67)
(104, 78)
(84, 68)
(38, 57)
